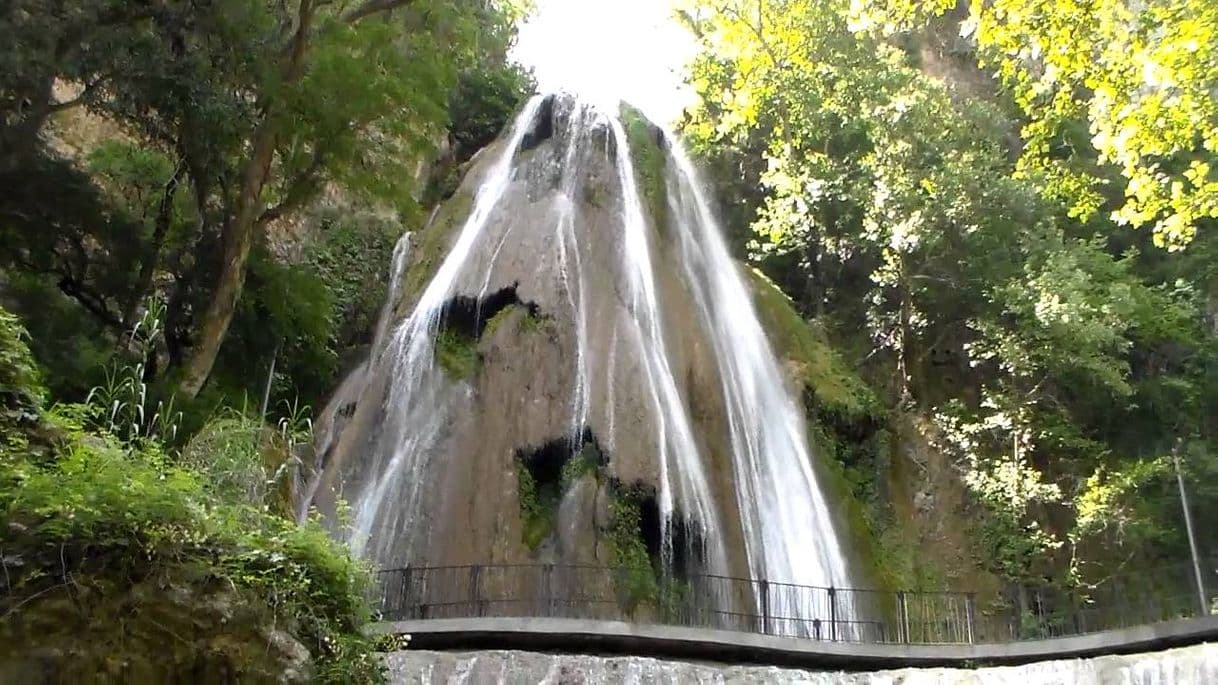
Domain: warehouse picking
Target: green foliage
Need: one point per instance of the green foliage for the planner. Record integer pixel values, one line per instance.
(588, 460)
(539, 502)
(649, 164)
(21, 391)
(350, 257)
(1140, 77)
(123, 404)
(221, 126)
(636, 578)
(457, 354)
(538, 507)
(102, 513)
(69, 346)
(1057, 353)
(113, 508)
(483, 102)
(228, 452)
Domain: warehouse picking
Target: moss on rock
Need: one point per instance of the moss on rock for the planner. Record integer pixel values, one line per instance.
(431, 244)
(849, 429)
(526, 321)
(649, 163)
(538, 508)
(821, 371)
(635, 579)
(457, 354)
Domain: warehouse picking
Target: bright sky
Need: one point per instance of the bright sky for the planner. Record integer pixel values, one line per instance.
(609, 50)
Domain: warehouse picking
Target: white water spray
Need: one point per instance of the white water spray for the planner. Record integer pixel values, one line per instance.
(789, 534)
(682, 473)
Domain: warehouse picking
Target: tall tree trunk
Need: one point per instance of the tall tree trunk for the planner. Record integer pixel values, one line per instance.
(238, 240)
(242, 223)
(248, 216)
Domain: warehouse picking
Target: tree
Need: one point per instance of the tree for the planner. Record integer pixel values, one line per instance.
(254, 108)
(1141, 76)
(891, 205)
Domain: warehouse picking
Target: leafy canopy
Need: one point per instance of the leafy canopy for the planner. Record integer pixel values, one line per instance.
(1142, 76)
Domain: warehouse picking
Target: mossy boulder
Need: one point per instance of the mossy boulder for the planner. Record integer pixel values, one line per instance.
(167, 627)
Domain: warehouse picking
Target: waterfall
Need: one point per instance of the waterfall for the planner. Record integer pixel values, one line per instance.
(329, 425)
(789, 534)
(677, 446)
(417, 406)
(654, 349)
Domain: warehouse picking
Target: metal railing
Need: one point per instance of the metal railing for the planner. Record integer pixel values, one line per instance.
(760, 606)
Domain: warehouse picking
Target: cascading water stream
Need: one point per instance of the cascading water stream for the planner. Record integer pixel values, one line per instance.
(326, 429)
(401, 253)
(789, 534)
(678, 451)
(417, 406)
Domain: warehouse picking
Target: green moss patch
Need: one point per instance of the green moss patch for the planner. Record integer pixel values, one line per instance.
(528, 321)
(457, 354)
(650, 163)
(431, 244)
(588, 460)
(538, 506)
(834, 386)
(635, 580)
(543, 475)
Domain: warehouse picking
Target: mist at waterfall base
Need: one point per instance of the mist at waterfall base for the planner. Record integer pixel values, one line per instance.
(779, 510)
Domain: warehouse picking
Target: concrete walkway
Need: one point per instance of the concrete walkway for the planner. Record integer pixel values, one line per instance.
(577, 636)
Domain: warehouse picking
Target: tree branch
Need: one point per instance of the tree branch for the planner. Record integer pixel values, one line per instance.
(148, 261)
(92, 302)
(370, 7)
(299, 191)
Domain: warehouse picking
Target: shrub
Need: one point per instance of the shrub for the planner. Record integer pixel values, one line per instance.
(119, 557)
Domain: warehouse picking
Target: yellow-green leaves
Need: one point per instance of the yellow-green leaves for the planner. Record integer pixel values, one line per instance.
(1144, 76)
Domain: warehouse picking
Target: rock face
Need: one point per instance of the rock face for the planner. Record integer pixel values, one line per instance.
(554, 380)
(1186, 666)
(159, 630)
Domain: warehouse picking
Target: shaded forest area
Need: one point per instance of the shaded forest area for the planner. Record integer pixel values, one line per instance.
(200, 200)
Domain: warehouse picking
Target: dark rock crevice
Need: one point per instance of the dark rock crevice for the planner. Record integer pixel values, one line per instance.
(545, 473)
(468, 317)
(687, 554)
(464, 320)
(541, 128)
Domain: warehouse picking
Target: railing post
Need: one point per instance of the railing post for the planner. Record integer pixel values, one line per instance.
(970, 608)
(547, 580)
(475, 589)
(765, 606)
(406, 605)
(833, 614)
(903, 615)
